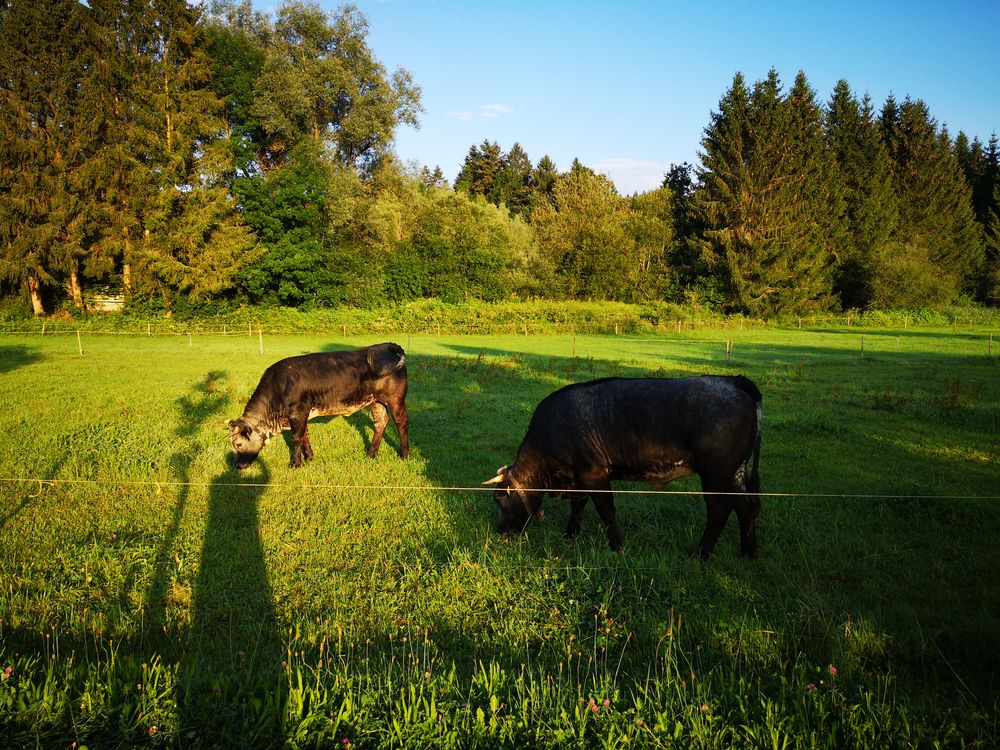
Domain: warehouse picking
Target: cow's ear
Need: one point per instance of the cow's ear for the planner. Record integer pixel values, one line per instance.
(230, 423)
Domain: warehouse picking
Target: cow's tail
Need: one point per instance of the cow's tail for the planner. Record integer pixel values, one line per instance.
(747, 386)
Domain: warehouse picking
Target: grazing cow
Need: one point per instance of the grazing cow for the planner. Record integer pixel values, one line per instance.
(657, 430)
(294, 390)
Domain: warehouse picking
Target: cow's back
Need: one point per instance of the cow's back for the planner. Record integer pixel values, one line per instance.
(632, 424)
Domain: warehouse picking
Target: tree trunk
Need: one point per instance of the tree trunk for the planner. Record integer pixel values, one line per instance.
(74, 285)
(35, 290)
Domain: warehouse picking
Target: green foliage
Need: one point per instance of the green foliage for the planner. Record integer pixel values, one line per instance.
(581, 236)
(320, 82)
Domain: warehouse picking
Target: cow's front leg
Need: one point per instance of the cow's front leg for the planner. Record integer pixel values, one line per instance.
(578, 501)
(604, 502)
(307, 449)
(300, 439)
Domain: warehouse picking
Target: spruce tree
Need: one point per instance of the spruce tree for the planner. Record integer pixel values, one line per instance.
(939, 244)
(768, 214)
(513, 184)
(480, 169)
(872, 212)
(42, 215)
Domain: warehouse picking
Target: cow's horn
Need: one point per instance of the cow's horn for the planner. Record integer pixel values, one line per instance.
(500, 477)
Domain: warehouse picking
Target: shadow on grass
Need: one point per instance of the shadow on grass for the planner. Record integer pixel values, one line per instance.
(13, 357)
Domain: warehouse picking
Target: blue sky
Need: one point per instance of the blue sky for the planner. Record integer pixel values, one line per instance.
(628, 87)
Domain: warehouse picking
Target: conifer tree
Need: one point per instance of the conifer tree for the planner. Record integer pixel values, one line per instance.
(872, 211)
(543, 179)
(939, 242)
(769, 216)
(480, 169)
(512, 186)
(42, 215)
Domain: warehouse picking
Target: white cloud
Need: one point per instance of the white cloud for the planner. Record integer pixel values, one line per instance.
(494, 110)
(632, 175)
(463, 116)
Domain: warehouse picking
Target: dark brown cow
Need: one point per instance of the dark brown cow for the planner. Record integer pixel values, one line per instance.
(294, 390)
(652, 429)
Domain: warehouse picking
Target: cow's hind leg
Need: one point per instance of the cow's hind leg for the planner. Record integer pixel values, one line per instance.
(747, 511)
(380, 417)
(719, 504)
(402, 419)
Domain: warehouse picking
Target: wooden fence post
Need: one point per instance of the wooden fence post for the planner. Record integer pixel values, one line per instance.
(79, 343)
(260, 337)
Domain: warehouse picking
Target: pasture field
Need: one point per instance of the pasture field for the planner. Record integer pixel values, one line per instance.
(150, 595)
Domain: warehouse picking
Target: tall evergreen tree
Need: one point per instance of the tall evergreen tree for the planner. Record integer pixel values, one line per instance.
(193, 241)
(939, 241)
(480, 169)
(872, 211)
(41, 217)
(513, 186)
(769, 215)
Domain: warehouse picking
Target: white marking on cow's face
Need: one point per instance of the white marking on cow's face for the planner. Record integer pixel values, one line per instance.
(246, 441)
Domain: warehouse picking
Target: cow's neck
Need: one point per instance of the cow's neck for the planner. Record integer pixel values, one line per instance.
(258, 416)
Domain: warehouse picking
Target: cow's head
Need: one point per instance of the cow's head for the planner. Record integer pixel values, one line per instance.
(517, 505)
(246, 441)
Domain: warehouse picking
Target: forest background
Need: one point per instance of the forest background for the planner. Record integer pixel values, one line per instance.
(194, 159)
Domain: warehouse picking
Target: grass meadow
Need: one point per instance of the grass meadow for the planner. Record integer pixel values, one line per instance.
(150, 595)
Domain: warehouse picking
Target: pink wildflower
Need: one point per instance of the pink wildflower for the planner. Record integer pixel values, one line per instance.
(811, 687)
(832, 670)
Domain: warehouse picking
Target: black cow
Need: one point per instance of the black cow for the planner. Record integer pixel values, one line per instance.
(294, 390)
(657, 430)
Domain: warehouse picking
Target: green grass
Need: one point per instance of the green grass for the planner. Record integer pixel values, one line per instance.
(150, 595)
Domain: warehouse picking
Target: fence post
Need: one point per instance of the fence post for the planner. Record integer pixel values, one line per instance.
(989, 347)
(149, 329)
(189, 339)
(260, 337)
(862, 347)
(79, 343)
(574, 346)
(43, 328)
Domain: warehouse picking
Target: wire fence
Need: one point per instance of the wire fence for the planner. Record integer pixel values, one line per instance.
(316, 486)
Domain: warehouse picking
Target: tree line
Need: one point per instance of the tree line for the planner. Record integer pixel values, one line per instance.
(190, 157)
